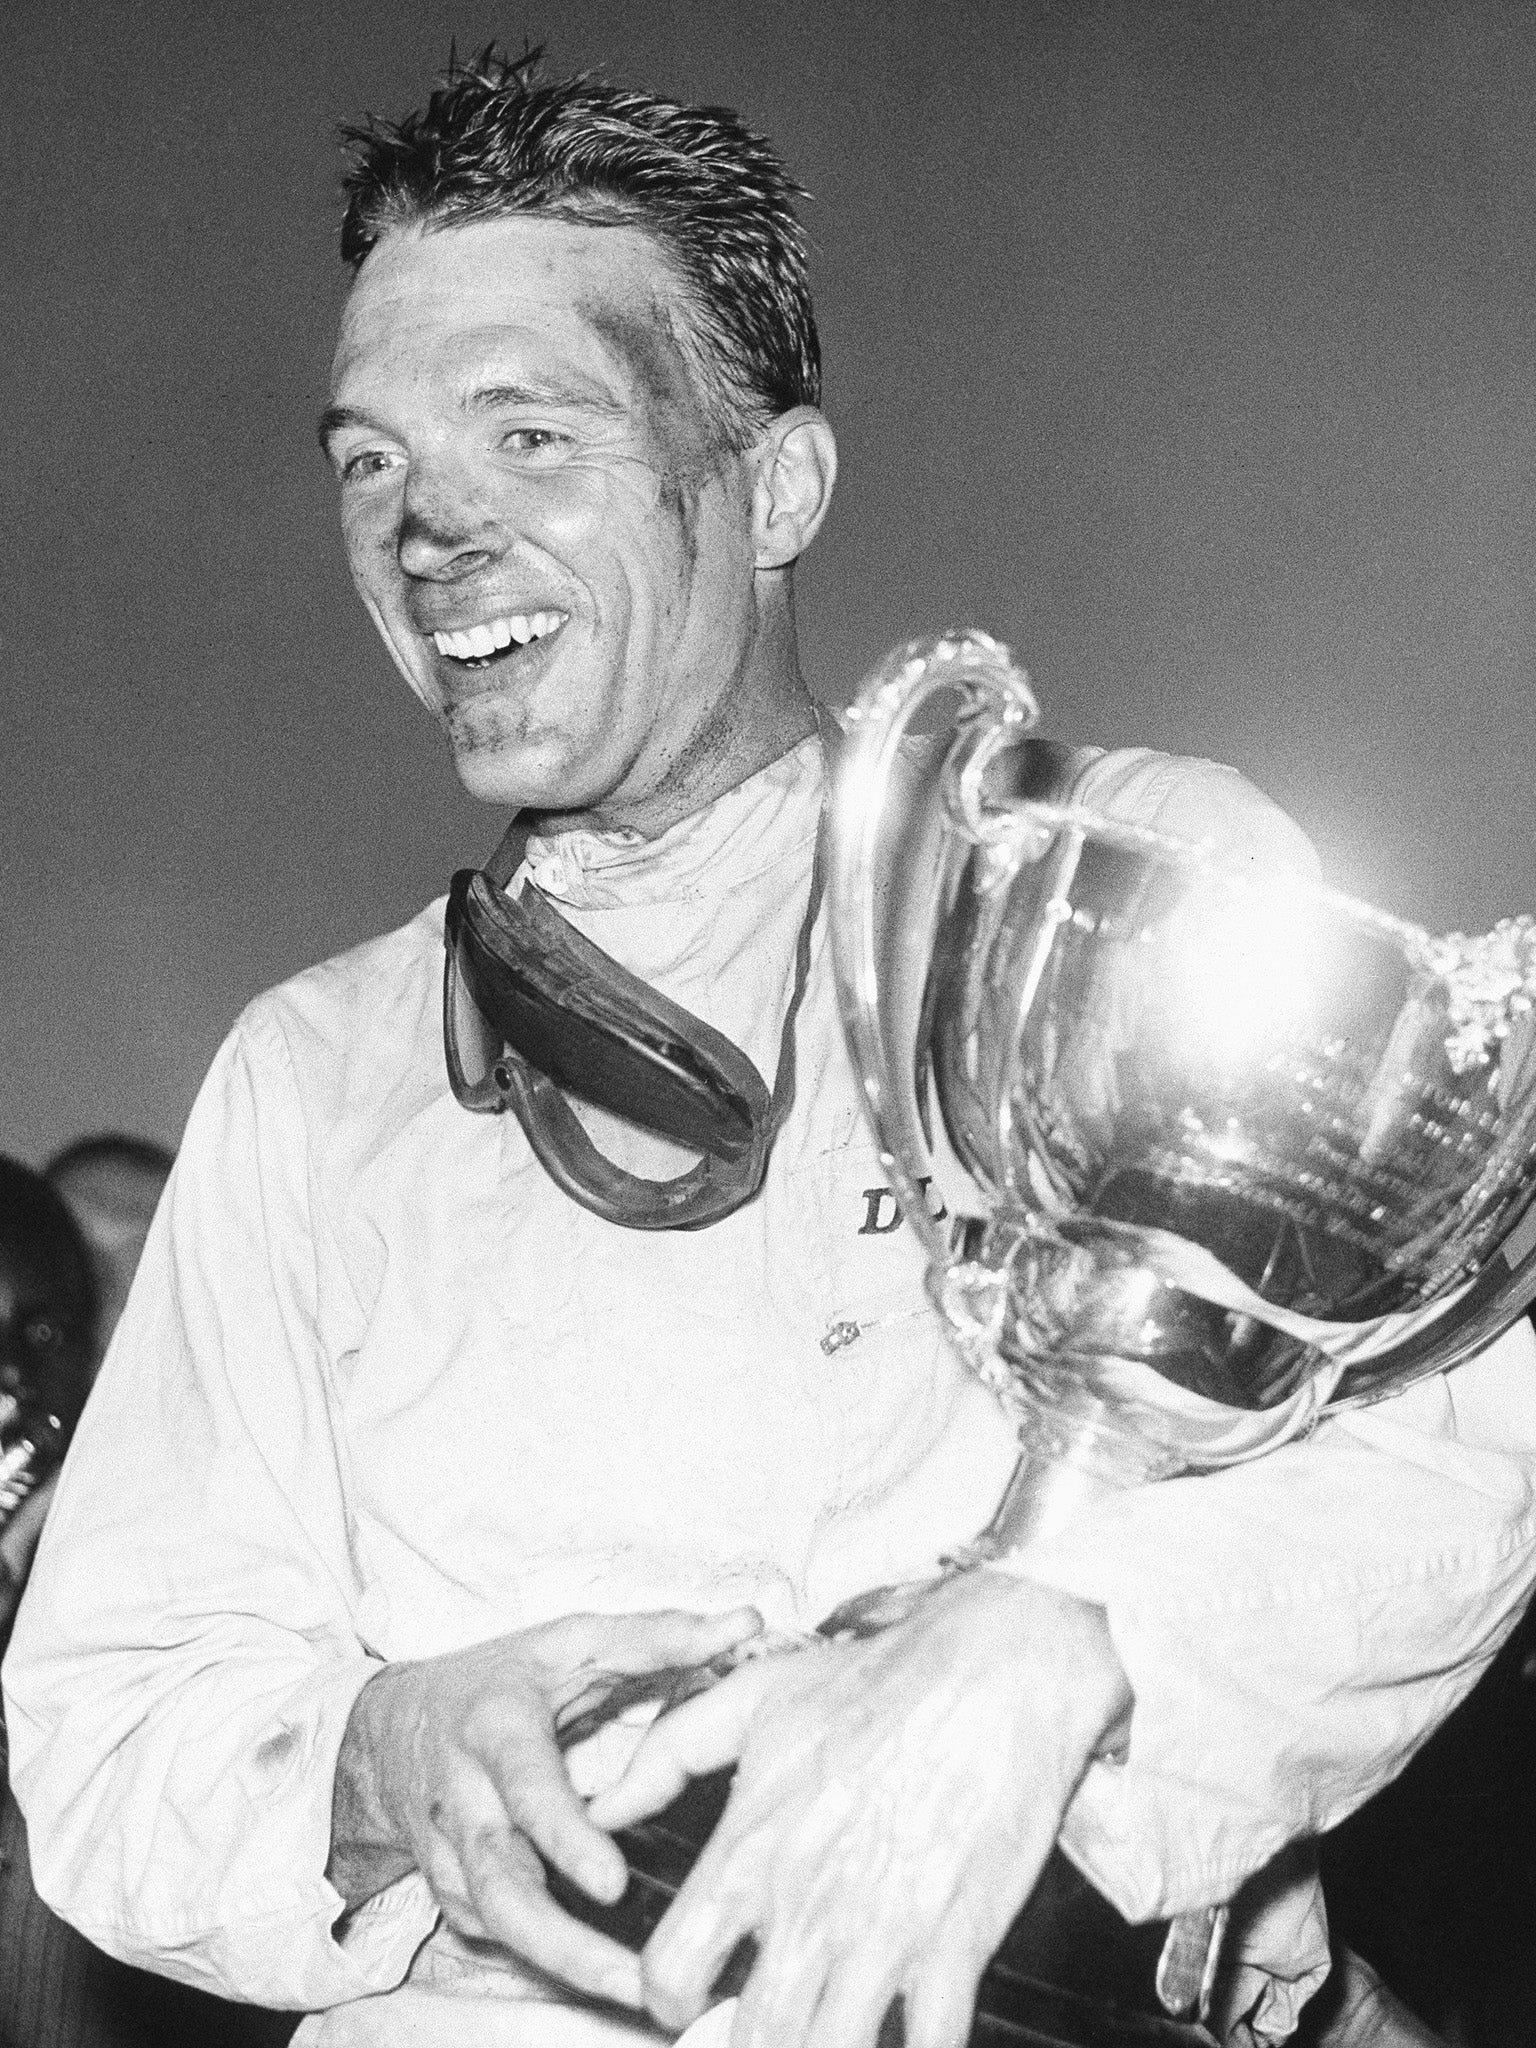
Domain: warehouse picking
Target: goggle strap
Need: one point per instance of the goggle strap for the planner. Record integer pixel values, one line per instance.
(511, 852)
(831, 735)
(784, 1075)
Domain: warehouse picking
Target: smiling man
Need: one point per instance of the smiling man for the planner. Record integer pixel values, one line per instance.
(632, 654)
(432, 1454)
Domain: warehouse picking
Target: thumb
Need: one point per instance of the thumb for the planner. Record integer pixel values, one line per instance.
(702, 1735)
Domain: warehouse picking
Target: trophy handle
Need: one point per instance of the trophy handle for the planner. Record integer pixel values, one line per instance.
(879, 943)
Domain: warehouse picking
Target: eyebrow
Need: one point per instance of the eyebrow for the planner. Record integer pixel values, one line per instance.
(574, 397)
(578, 397)
(334, 418)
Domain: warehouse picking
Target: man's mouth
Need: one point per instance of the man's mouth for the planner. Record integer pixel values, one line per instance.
(494, 639)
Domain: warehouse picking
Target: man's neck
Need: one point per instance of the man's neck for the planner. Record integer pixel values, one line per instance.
(749, 725)
(722, 754)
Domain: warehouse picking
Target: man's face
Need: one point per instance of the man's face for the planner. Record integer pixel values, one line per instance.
(558, 556)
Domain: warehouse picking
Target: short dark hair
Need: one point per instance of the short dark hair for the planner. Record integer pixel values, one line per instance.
(495, 140)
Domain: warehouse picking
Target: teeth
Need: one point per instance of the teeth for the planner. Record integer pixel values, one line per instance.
(475, 643)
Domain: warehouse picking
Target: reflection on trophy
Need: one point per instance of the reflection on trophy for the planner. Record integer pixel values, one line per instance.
(1227, 1150)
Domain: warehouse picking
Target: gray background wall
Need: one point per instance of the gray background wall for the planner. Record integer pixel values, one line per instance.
(1187, 346)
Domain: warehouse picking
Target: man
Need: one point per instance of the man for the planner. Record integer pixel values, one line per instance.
(48, 1305)
(109, 1186)
(55, 1987)
(439, 1455)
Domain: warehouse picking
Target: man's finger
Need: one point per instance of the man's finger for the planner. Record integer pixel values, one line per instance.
(938, 2010)
(444, 1873)
(703, 1734)
(782, 2000)
(540, 1800)
(939, 1994)
(853, 2005)
(683, 1960)
(516, 1911)
(626, 1644)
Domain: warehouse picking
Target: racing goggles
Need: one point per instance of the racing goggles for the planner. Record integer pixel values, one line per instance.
(534, 1013)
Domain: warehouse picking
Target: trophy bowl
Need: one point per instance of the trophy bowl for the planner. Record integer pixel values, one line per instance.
(1217, 1149)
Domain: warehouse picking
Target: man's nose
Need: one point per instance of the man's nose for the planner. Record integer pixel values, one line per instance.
(444, 532)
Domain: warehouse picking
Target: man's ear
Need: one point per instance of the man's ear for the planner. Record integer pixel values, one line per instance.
(794, 463)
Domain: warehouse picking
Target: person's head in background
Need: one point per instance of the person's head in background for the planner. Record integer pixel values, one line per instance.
(111, 1184)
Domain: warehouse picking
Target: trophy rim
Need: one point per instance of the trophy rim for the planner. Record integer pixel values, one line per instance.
(1416, 940)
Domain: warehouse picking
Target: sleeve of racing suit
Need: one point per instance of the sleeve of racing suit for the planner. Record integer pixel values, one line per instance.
(185, 1659)
(1295, 1627)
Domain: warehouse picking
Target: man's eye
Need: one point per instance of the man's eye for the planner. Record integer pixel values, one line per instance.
(366, 463)
(532, 440)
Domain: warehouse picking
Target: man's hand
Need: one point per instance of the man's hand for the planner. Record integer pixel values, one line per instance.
(451, 1766)
(895, 1801)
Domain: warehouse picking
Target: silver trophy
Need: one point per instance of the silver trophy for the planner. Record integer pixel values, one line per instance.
(1193, 1156)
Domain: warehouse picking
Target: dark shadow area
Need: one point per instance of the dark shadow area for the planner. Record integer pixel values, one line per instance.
(1434, 1882)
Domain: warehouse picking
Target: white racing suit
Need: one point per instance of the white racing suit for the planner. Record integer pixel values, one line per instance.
(382, 1391)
